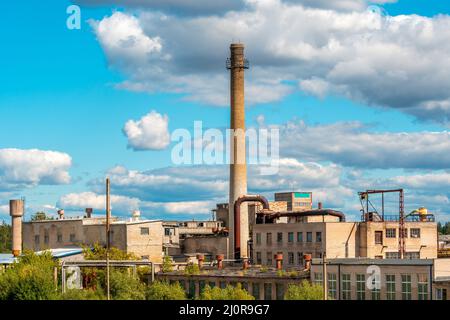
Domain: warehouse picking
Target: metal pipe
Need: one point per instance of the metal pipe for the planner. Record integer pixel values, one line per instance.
(108, 236)
(324, 212)
(237, 216)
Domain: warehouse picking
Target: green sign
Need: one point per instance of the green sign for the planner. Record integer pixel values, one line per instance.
(302, 195)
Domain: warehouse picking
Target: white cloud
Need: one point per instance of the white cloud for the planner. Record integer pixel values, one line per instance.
(352, 144)
(434, 181)
(396, 62)
(151, 132)
(80, 201)
(182, 207)
(25, 168)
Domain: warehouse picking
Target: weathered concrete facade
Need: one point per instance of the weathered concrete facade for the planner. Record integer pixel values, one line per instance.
(143, 238)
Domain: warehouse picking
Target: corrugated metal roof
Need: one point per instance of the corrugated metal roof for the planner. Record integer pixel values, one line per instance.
(7, 258)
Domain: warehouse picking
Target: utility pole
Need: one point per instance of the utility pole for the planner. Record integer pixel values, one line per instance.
(108, 235)
(324, 276)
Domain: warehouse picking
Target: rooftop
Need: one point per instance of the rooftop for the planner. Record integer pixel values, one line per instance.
(367, 261)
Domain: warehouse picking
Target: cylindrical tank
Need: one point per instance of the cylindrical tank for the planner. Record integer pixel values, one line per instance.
(16, 210)
(423, 212)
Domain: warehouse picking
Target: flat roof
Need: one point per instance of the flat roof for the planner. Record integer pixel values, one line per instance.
(368, 261)
(8, 258)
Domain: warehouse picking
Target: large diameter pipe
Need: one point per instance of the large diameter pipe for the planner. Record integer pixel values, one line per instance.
(16, 210)
(238, 243)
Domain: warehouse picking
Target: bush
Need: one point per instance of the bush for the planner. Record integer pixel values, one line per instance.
(82, 294)
(304, 291)
(162, 290)
(167, 265)
(31, 278)
(229, 293)
(192, 269)
(126, 287)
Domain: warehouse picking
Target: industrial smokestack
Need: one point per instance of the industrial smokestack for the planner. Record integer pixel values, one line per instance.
(238, 167)
(16, 209)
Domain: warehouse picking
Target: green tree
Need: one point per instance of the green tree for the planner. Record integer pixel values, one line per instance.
(126, 287)
(229, 293)
(31, 278)
(304, 291)
(167, 265)
(98, 252)
(162, 290)
(192, 269)
(5, 237)
(39, 216)
(84, 294)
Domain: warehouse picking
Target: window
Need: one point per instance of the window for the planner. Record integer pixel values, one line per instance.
(258, 258)
(191, 292)
(299, 236)
(406, 287)
(279, 288)
(290, 237)
(222, 284)
(415, 233)
(267, 291)
(309, 237)
(46, 239)
(422, 286)
(269, 258)
(346, 287)
(392, 255)
(269, 238)
(412, 255)
(318, 278)
(72, 237)
(36, 239)
(291, 258)
(441, 294)
(59, 238)
(211, 284)
(318, 236)
(391, 233)
(201, 285)
(378, 237)
(390, 287)
(332, 286)
(145, 231)
(258, 238)
(361, 287)
(167, 231)
(376, 292)
(280, 237)
(145, 257)
(300, 258)
(255, 290)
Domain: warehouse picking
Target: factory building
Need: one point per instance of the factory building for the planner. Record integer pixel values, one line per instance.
(398, 279)
(144, 238)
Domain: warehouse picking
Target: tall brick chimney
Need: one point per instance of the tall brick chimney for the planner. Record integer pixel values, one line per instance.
(238, 166)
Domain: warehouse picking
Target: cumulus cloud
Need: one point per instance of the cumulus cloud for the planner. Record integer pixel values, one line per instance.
(434, 181)
(395, 62)
(151, 132)
(80, 201)
(208, 7)
(354, 145)
(25, 168)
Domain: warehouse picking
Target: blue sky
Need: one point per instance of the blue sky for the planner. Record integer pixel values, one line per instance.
(60, 92)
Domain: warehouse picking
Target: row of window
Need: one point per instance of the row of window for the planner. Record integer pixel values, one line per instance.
(361, 284)
(290, 237)
(59, 238)
(392, 233)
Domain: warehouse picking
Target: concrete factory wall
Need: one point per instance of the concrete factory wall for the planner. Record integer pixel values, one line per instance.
(213, 245)
(426, 244)
(148, 246)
